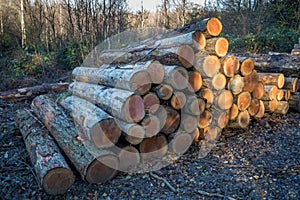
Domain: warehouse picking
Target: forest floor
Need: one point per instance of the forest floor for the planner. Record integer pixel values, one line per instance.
(262, 162)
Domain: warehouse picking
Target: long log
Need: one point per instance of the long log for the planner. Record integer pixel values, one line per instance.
(154, 147)
(128, 77)
(119, 103)
(294, 101)
(31, 92)
(94, 165)
(230, 66)
(276, 79)
(97, 125)
(207, 65)
(52, 170)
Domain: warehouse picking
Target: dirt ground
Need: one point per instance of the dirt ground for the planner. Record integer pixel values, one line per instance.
(262, 162)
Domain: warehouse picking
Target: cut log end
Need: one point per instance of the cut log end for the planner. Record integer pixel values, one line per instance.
(233, 113)
(205, 119)
(195, 81)
(222, 119)
(199, 39)
(156, 72)
(291, 84)
(189, 123)
(243, 100)
(276, 79)
(221, 47)
(179, 78)
(261, 111)
(54, 187)
(186, 56)
(219, 81)
(135, 134)
(212, 133)
(141, 82)
(129, 158)
(251, 81)
(280, 95)
(164, 91)
(208, 95)
(253, 108)
(102, 169)
(247, 66)
(271, 106)
(178, 100)
(172, 122)
(151, 124)
(154, 147)
(133, 109)
(225, 100)
(180, 143)
(282, 107)
(230, 66)
(236, 84)
(214, 26)
(258, 91)
(287, 95)
(210, 66)
(151, 102)
(243, 119)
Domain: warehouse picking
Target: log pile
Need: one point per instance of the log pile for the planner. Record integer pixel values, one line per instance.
(151, 100)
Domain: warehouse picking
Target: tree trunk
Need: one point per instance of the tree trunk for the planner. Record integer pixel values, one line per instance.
(119, 103)
(94, 165)
(98, 127)
(50, 166)
(276, 79)
(128, 77)
(31, 92)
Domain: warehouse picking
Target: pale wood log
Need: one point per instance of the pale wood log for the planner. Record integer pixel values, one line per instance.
(271, 106)
(98, 126)
(176, 76)
(218, 82)
(208, 95)
(243, 100)
(282, 107)
(258, 91)
(172, 121)
(276, 79)
(151, 102)
(230, 66)
(155, 70)
(31, 92)
(128, 77)
(246, 66)
(212, 133)
(261, 111)
(94, 165)
(151, 124)
(52, 170)
(294, 101)
(178, 100)
(236, 84)
(217, 46)
(153, 148)
(119, 103)
(234, 112)
(188, 123)
(194, 106)
(163, 91)
(129, 158)
(205, 119)
(291, 84)
(270, 92)
(207, 65)
(280, 94)
(180, 142)
(242, 121)
(223, 99)
(253, 108)
(195, 81)
(134, 133)
(220, 117)
(250, 81)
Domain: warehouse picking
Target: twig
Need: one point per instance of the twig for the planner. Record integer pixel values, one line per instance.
(213, 195)
(165, 181)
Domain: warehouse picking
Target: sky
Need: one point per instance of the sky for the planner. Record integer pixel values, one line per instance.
(151, 4)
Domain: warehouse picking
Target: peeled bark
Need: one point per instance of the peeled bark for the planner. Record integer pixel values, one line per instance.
(247, 66)
(120, 103)
(270, 92)
(242, 121)
(258, 91)
(178, 100)
(151, 102)
(163, 91)
(154, 147)
(176, 76)
(282, 107)
(128, 77)
(52, 170)
(236, 84)
(207, 65)
(276, 79)
(195, 81)
(291, 84)
(217, 46)
(31, 92)
(180, 142)
(253, 108)
(243, 101)
(230, 66)
(250, 81)
(97, 125)
(94, 165)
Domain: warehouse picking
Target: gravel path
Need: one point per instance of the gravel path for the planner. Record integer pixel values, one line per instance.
(262, 162)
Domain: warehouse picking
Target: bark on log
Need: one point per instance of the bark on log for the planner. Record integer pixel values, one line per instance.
(120, 103)
(31, 92)
(242, 121)
(291, 84)
(94, 165)
(261, 111)
(195, 81)
(236, 84)
(154, 147)
(276, 79)
(178, 100)
(52, 170)
(282, 107)
(294, 101)
(207, 65)
(258, 91)
(163, 91)
(180, 142)
(151, 102)
(172, 121)
(251, 81)
(253, 108)
(176, 76)
(230, 66)
(97, 125)
(270, 92)
(217, 46)
(128, 77)
(151, 124)
(243, 100)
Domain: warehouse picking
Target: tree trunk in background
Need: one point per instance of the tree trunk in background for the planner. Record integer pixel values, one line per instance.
(23, 30)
